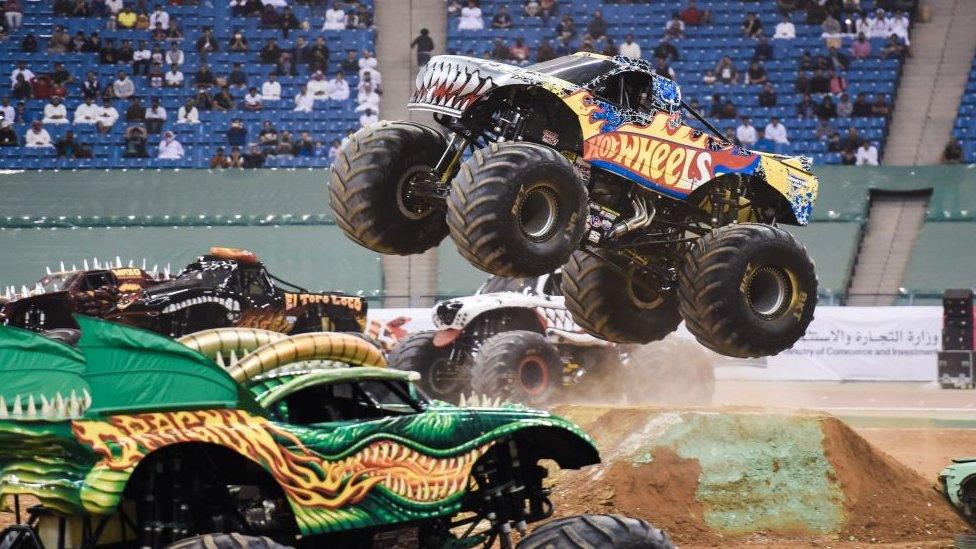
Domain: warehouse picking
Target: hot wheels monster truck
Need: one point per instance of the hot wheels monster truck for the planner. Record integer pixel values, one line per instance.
(231, 287)
(131, 439)
(515, 341)
(587, 161)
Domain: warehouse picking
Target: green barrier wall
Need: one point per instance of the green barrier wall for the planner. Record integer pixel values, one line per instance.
(944, 257)
(319, 258)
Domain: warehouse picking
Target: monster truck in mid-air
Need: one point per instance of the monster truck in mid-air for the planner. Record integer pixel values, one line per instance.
(587, 161)
(514, 340)
(231, 287)
(131, 439)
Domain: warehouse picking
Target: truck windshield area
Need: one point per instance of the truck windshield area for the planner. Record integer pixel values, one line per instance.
(576, 69)
(207, 277)
(506, 284)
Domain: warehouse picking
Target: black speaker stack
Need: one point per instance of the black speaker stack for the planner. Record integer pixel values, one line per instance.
(956, 356)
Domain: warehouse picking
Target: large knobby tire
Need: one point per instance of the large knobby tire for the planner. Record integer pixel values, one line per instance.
(438, 378)
(614, 305)
(517, 209)
(675, 370)
(517, 366)
(226, 541)
(369, 188)
(596, 532)
(747, 290)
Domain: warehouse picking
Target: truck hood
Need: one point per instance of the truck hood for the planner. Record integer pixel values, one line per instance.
(457, 313)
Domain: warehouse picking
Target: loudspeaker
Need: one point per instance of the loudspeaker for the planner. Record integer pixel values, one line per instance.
(957, 336)
(958, 304)
(955, 369)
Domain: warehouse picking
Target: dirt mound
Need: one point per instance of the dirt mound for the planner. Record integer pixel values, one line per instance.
(710, 476)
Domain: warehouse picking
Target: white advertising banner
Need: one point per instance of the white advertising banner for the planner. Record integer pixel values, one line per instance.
(858, 343)
(841, 344)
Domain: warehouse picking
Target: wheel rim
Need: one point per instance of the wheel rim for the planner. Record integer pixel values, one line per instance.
(538, 212)
(533, 375)
(640, 293)
(443, 379)
(770, 291)
(410, 205)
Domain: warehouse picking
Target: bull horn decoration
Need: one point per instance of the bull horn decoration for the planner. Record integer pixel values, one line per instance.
(224, 341)
(341, 347)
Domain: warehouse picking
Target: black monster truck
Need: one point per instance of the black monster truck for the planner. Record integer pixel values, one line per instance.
(230, 287)
(587, 161)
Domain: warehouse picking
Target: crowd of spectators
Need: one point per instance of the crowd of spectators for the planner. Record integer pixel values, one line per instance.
(146, 67)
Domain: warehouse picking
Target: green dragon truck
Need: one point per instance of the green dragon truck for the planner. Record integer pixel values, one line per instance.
(130, 439)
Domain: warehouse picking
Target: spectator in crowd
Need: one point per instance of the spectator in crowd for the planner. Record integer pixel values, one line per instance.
(502, 20)
(288, 22)
(55, 112)
(728, 110)
(746, 132)
(752, 26)
(630, 48)
(893, 49)
(235, 160)
(67, 147)
(693, 16)
(878, 24)
(767, 96)
(544, 52)
(776, 131)
(318, 56)
(726, 72)
(824, 129)
(141, 59)
(252, 100)
(470, 17)
(155, 117)
(785, 30)
(806, 61)
(59, 90)
(763, 50)
(665, 50)
(851, 140)
(87, 112)
(838, 60)
(8, 136)
(61, 75)
(13, 14)
(135, 113)
(237, 133)
(675, 28)
(816, 13)
(338, 87)
(170, 148)
(29, 43)
(173, 77)
(268, 137)
(238, 43)
(499, 50)
(729, 135)
(819, 83)
(952, 154)
(37, 136)
(304, 101)
(203, 100)
(336, 19)
(305, 146)
(207, 43)
(286, 145)
(519, 52)
(253, 159)
(368, 117)
(845, 108)
(898, 25)
(78, 43)
(59, 41)
(764, 143)
(335, 148)
(662, 68)
(271, 89)
(880, 107)
(237, 77)
(125, 52)
(861, 48)
(861, 106)
(219, 160)
(156, 75)
(126, 18)
(159, 17)
(425, 47)
(285, 66)
(756, 74)
(351, 63)
(7, 112)
(188, 113)
(367, 64)
(91, 86)
(867, 154)
(709, 77)
(123, 87)
(597, 27)
(848, 157)
(224, 100)
(838, 83)
(204, 76)
(174, 55)
(136, 141)
(827, 109)
(318, 86)
(21, 70)
(368, 98)
(107, 116)
(566, 28)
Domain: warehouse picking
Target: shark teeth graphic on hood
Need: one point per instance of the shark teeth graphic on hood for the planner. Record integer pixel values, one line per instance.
(226, 302)
(59, 407)
(450, 86)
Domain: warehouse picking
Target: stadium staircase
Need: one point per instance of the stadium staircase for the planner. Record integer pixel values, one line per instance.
(409, 280)
(894, 221)
(932, 84)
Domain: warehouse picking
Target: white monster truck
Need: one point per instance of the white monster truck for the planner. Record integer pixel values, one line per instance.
(515, 340)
